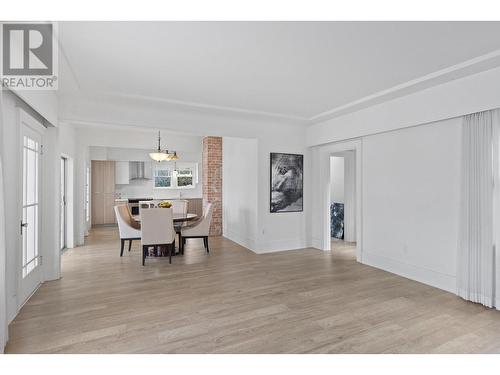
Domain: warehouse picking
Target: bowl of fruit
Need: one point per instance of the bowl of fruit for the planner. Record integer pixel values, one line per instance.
(165, 204)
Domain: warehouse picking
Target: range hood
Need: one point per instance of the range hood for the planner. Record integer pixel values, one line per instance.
(138, 171)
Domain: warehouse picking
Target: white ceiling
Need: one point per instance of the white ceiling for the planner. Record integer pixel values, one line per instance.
(297, 70)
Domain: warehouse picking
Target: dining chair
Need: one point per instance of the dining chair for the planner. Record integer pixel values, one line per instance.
(148, 204)
(157, 227)
(179, 206)
(199, 229)
(129, 228)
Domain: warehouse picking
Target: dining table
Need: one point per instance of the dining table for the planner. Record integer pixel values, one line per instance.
(179, 219)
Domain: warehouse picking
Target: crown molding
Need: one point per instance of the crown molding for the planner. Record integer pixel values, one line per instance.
(476, 65)
(463, 69)
(209, 107)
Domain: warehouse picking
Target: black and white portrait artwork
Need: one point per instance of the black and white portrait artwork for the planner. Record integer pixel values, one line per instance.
(287, 184)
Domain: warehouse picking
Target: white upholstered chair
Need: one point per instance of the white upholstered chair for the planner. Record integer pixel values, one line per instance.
(157, 227)
(179, 206)
(128, 227)
(199, 229)
(148, 204)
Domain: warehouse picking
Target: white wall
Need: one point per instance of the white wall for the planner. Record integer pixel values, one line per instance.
(284, 230)
(274, 231)
(82, 161)
(337, 179)
(410, 202)
(68, 149)
(350, 196)
(239, 190)
(3, 249)
(50, 205)
(44, 103)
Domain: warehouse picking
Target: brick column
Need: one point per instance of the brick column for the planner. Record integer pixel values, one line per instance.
(212, 180)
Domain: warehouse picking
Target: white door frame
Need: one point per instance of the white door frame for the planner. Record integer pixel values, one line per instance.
(70, 201)
(28, 124)
(63, 209)
(321, 190)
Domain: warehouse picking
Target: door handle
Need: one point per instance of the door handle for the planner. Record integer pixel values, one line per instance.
(23, 225)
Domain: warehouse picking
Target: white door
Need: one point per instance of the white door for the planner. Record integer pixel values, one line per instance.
(31, 148)
(63, 204)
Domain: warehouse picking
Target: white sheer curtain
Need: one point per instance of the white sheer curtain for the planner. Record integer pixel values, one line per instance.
(479, 208)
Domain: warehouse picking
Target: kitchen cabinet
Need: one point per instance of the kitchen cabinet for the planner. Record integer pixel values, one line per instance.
(122, 173)
(103, 192)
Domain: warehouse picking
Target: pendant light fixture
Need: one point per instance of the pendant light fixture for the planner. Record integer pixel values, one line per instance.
(160, 155)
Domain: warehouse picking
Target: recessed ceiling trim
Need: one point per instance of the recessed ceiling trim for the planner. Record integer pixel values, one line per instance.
(210, 107)
(484, 62)
(472, 66)
(83, 124)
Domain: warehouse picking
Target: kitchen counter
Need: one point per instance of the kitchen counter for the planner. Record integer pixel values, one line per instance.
(195, 205)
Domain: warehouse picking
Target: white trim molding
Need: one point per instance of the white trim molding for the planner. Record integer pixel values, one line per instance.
(411, 271)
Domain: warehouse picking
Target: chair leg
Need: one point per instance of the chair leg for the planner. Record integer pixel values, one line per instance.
(144, 251)
(122, 245)
(129, 245)
(206, 244)
(170, 252)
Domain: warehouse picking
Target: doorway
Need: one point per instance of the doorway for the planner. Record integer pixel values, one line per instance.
(320, 229)
(31, 135)
(343, 203)
(63, 210)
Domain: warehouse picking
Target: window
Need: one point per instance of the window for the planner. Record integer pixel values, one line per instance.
(169, 175)
(185, 177)
(163, 178)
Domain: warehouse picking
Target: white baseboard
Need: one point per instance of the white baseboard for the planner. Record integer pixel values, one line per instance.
(410, 271)
(280, 245)
(317, 243)
(268, 246)
(240, 240)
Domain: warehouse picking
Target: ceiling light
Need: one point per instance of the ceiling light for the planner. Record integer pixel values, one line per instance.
(159, 155)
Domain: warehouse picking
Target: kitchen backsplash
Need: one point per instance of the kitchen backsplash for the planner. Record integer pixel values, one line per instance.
(144, 189)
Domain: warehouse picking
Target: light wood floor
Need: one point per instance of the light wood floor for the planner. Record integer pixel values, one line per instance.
(234, 301)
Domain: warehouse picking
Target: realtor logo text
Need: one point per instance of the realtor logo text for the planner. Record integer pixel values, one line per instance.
(29, 58)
